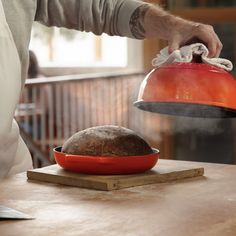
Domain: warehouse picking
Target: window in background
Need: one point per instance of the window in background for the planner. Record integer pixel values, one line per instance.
(59, 47)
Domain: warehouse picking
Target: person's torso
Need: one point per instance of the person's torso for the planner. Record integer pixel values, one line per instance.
(20, 15)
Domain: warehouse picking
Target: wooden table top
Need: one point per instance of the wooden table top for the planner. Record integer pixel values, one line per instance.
(198, 206)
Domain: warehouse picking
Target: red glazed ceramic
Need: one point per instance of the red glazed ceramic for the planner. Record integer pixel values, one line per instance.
(202, 88)
(106, 165)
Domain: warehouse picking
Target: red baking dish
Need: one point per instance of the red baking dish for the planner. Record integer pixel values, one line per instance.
(106, 165)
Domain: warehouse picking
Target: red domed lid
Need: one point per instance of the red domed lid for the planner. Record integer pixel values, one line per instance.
(180, 86)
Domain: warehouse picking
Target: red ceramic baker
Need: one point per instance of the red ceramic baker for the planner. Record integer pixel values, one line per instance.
(189, 89)
(106, 165)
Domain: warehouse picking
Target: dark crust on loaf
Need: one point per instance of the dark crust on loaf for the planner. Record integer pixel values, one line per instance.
(108, 140)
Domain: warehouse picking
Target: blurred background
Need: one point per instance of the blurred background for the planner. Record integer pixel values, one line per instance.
(78, 80)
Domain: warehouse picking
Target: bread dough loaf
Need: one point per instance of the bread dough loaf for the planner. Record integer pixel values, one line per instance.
(108, 140)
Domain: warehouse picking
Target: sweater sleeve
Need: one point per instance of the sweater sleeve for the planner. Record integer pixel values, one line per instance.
(97, 16)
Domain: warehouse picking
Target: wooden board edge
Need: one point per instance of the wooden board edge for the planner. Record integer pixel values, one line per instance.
(163, 178)
(115, 184)
(69, 181)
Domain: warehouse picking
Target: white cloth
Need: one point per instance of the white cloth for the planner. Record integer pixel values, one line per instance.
(185, 54)
(14, 155)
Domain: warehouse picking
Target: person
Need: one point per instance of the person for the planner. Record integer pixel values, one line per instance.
(130, 18)
(33, 72)
(31, 100)
(33, 68)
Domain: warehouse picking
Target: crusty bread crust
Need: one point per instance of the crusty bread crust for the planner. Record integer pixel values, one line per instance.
(108, 140)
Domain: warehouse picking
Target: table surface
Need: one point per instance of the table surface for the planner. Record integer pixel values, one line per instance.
(198, 206)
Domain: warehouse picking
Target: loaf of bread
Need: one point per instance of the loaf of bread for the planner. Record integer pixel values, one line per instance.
(108, 140)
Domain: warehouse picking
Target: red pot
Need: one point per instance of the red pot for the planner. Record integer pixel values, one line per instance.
(189, 89)
(106, 165)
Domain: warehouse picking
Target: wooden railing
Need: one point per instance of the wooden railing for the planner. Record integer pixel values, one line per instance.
(54, 108)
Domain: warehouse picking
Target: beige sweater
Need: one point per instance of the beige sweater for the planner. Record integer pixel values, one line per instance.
(97, 16)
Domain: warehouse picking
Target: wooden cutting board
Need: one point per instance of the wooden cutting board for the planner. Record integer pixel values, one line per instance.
(162, 172)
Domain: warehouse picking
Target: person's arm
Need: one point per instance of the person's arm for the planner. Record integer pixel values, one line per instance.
(151, 21)
(131, 18)
(97, 16)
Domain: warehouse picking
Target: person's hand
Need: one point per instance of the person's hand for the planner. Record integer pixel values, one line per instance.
(178, 32)
(186, 32)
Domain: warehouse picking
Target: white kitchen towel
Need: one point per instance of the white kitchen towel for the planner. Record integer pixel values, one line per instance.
(186, 53)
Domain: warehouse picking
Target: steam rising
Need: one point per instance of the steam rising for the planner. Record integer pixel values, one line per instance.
(198, 125)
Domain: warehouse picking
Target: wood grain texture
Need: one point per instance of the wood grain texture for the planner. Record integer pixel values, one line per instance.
(201, 206)
(160, 174)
